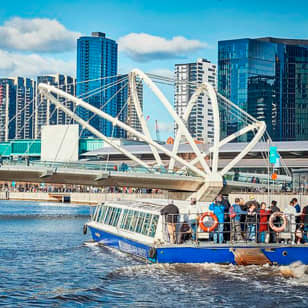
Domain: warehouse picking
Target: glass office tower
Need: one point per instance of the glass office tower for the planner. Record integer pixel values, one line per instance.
(97, 59)
(267, 77)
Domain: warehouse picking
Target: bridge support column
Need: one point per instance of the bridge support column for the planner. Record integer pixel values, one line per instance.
(210, 189)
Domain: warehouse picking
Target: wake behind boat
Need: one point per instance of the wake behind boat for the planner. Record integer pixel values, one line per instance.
(152, 231)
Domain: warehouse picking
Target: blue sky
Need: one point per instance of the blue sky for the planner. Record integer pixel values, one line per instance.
(200, 24)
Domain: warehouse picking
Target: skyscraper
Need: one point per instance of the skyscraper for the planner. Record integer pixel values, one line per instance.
(126, 109)
(45, 111)
(16, 107)
(267, 77)
(97, 67)
(200, 122)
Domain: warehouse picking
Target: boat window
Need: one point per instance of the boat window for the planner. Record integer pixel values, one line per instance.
(97, 213)
(123, 218)
(133, 221)
(128, 220)
(117, 214)
(108, 214)
(102, 214)
(140, 222)
(145, 227)
(153, 225)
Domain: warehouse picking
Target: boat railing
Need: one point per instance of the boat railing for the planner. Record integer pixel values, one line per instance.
(276, 227)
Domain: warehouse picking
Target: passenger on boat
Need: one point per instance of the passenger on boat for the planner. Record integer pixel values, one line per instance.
(274, 209)
(235, 213)
(263, 223)
(185, 232)
(193, 215)
(298, 212)
(243, 216)
(291, 214)
(171, 213)
(304, 220)
(219, 210)
(227, 228)
(251, 221)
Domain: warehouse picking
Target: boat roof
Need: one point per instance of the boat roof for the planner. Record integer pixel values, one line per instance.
(150, 205)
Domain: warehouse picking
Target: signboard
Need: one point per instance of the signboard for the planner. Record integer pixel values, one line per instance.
(60, 143)
(273, 155)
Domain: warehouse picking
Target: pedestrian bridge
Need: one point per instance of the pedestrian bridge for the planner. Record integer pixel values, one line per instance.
(104, 175)
(199, 176)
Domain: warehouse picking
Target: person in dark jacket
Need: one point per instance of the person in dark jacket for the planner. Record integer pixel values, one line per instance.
(171, 213)
(251, 221)
(298, 212)
(274, 209)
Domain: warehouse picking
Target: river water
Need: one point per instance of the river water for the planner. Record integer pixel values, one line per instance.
(45, 260)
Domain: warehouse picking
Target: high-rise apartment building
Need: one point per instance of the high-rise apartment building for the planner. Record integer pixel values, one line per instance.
(7, 109)
(200, 123)
(97, 58)
(267, 77)
(126, 110)
(16, 109)
(45, 111)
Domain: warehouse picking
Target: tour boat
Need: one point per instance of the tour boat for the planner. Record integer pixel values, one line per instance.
(139, 229)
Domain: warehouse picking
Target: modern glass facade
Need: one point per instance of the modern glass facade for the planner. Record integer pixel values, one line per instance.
(97, 59)
(267, 77)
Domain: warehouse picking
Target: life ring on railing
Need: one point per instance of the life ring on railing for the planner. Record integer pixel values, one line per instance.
(213, 226)
(85, 229)
(273, 218)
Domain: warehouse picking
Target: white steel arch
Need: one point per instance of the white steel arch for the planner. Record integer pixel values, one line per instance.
(212, 177)
(45, 89)
(205, 87)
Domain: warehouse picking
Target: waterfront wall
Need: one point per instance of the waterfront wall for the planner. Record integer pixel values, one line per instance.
(95, 198)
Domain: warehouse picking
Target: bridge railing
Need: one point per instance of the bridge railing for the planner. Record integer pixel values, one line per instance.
(111, 167)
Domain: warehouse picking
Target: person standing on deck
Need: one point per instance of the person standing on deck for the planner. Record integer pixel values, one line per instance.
(298, 212)
(251, 220)
(171, 213)
(290, 211)
(274, 209)
(263, 223)
(235, 213)
(219, 210)
(193, 215)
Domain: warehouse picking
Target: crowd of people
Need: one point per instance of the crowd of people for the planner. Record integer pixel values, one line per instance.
(241, 221)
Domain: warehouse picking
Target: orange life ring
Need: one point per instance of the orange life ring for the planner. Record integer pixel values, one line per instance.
(273, 217)
(213, 226)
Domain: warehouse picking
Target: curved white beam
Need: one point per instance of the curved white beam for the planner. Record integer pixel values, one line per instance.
(135, 98)
(203, 88)
(249, 147)
(187, 112)
(47, 88)
(226, 140)
(174, 115)
(92, 129)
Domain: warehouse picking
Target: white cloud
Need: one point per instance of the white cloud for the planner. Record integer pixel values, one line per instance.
(36, 35)
(31, 65)
(145, 47)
